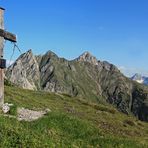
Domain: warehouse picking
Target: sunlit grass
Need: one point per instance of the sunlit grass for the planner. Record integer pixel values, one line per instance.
(72, 122)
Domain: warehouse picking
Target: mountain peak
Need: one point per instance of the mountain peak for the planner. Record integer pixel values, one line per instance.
(140, 79)
(137, 76)
(99, 81)
(29, 52)
(88, 57)
(50, 54)
(87, 54)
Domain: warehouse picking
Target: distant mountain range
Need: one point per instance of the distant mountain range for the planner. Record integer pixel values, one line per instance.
(84, 77)
(140, 79)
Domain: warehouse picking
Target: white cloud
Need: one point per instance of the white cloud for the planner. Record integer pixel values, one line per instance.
(130, 71)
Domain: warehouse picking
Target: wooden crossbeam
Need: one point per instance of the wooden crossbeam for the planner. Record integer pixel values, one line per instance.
(7, 35)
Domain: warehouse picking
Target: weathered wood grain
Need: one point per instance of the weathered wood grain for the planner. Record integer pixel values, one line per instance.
(7, 35)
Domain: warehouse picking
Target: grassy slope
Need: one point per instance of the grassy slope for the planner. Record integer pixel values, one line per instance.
(72, 123)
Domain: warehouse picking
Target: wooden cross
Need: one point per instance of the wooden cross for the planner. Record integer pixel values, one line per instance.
(7, 36)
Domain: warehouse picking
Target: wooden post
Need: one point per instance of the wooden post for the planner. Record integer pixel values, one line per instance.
(1, 57)
(7, 36)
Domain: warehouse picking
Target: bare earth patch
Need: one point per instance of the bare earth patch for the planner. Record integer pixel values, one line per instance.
(30, 115)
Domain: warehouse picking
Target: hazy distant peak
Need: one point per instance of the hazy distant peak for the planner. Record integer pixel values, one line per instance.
(140, 79)
(137, 77)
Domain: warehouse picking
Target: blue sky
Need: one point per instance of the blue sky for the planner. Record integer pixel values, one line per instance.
(112, 30)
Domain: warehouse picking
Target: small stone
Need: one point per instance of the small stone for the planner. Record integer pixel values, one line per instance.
(6, 108)
(47, 110)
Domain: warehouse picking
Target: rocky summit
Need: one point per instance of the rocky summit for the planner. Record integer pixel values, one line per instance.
(84, 77)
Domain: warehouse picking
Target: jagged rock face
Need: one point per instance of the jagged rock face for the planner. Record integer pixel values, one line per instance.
(87, 57)
(84, 77)
(25, 72)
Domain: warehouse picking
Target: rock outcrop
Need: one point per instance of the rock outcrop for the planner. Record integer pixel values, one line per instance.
(25, 71)
(30, 115)
(85, 77)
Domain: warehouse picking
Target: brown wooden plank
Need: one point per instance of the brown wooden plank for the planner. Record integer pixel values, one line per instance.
(7, 35)
(2, 8)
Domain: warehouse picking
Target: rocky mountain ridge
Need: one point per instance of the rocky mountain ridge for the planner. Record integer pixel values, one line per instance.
(84, 77)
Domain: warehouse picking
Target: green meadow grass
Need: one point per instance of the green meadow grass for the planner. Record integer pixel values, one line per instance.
(72, 122)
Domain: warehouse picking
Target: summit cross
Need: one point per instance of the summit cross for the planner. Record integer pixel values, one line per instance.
(4, 35)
